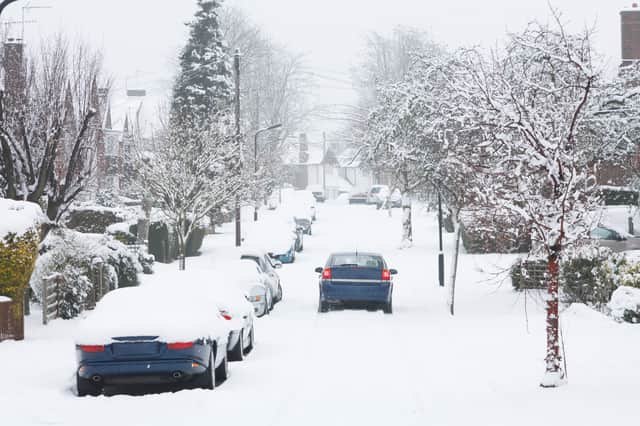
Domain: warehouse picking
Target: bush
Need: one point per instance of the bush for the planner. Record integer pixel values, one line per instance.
(529, 274)
(625, 304)
(591, 279)
(484, 231)
(94, 219)
(74, 257)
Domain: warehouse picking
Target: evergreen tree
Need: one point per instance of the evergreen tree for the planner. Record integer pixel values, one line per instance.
(203, 87)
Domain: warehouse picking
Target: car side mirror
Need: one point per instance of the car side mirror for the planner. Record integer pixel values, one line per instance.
(271, 255)
(319, 269)
(393, 271)
(277, 264)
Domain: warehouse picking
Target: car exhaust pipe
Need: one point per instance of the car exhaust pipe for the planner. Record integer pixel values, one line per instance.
(96, 378)
(176, 374)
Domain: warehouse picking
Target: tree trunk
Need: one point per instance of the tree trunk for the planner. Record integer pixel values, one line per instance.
(554, 374)
(454, 270)
(182, 246)
(407, 229)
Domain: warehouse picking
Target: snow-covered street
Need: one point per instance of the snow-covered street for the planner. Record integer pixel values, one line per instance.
(417, 366)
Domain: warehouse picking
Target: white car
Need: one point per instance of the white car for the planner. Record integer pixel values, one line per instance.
(248, 278)
(304, 202)
(234, 306)
(268, 266)
(377, 194)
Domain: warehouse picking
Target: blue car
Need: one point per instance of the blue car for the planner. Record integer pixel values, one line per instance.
(356, 278)
(145, 335)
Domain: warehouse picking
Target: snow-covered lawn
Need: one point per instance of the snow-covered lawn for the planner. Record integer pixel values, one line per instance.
(419, 366)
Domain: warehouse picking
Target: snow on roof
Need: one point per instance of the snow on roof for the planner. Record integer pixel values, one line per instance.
(18, 217)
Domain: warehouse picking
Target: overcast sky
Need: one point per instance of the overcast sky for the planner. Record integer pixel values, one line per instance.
(141, 38)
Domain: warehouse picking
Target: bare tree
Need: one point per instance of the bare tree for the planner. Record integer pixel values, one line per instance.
(48, 132)
(192, 172)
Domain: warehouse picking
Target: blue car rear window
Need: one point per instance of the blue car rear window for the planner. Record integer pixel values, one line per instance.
(357, 261)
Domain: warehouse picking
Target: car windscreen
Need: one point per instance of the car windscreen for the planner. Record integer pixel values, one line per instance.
(356, 260)
(375, 190)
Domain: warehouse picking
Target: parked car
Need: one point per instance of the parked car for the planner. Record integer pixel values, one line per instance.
(267, 265)
(356, 278)
(318, 193)
(234, 306)
(393, 199)
(305, 204)
(377, 194)
(142, 335)
(358, 198)
(304, 224)
(248, 275)
(616, 240)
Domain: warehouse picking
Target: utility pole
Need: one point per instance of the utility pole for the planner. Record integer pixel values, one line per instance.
(236, 66)
(324, 171)
(440, 252)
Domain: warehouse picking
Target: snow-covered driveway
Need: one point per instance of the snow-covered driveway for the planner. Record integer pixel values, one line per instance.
(419, 366)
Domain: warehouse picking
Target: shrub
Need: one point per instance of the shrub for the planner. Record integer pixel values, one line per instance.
(94, 219)
(625, 304)
(75, 257)
(529, 274)
(483, 231)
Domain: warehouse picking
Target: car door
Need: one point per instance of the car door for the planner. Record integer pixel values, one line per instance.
(270, 271)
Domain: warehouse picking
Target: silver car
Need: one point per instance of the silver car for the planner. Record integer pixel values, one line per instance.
(615, 240)
(268, 267)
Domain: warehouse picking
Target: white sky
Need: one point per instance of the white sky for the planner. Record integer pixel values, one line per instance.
(141, 38)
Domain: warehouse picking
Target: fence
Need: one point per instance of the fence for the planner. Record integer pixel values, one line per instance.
(51, 297)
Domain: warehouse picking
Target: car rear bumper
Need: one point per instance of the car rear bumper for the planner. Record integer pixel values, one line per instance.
(345, 292)
(141, 371)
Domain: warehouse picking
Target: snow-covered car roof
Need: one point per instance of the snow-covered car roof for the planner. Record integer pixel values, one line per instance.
(175, 313)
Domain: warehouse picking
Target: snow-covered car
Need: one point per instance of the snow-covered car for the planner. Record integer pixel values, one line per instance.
(268, 266)
(304, 204)
(147, 334)
(377, 193)
(248, 276)
(318, 193)
(234, 306)
(616, 240)
(358, 198)
(279, 239)
(386, 199)
(304, 224)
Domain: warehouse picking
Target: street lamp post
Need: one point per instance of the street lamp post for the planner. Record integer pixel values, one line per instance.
(440, 253)
(255, 161)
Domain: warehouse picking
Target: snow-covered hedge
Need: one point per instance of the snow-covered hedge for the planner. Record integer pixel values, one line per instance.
(95, 219)
(625, 304)
(19, 237)
(75, 257)
(484, 230)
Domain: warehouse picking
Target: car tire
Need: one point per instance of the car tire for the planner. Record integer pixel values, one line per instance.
(222, 371)
(86, 387)
(322, 306)
(269, 303)
(388, 307)
(279, 293)
(237, 352)
(207, 380)
(251, 342)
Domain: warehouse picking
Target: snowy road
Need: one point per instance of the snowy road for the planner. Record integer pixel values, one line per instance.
(418, 366)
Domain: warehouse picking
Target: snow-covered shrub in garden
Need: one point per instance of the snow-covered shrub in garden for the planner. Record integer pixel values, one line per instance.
(95, 219)
(75, 257)
(625, 304)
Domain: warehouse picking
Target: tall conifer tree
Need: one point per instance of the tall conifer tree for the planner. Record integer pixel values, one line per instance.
(203, 89)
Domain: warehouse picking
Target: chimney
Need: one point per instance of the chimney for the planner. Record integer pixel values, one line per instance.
(630, 34)
(303, 147)
(14, 70)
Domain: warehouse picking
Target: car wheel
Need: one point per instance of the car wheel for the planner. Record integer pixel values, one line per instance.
(388, 307)
(237, 352)
(87, 387)
(222, 371)
(322, 306)
(251, 342)
(279, 293)
(207, 380)
(269, 301)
